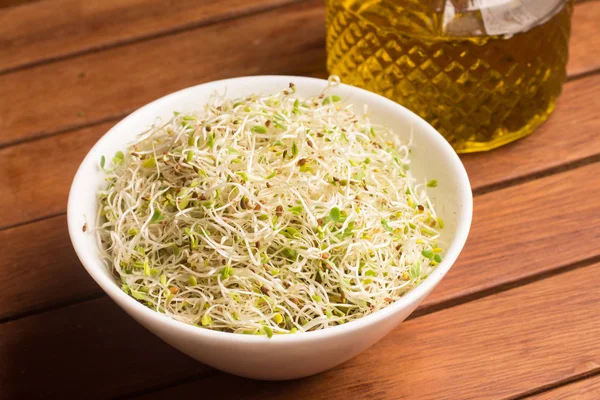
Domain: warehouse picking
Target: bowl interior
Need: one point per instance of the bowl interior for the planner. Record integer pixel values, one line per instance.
(432, 158)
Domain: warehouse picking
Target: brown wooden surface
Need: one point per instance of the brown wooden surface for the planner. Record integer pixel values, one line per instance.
(50, 30)
(12, 3)
(36, 33)
(586, 389)
(584, 57)
(526, 230)
(61, 156)
(47, 263)
(106, 85)
(514, 317)
(90, 350)
(126, 77)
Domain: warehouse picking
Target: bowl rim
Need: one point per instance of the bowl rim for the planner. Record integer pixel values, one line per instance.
(132, 306)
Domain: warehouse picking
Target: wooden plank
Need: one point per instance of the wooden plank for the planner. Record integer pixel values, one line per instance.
(12, 3)
(49, 30)
(584, 56)
(108, 84)
(38, 174)
(99, 86)
(569, 135)
(89, 351)
(493, 348)
(587, 389)
(40, 268)
(527, 230)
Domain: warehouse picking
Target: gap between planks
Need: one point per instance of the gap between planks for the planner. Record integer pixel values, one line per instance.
(535, 175)
(556, 385)
(586, 387)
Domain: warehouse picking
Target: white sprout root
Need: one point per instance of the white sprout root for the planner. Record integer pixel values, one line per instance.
(267, 215)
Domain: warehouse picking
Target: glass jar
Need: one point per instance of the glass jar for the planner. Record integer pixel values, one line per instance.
(482, 72)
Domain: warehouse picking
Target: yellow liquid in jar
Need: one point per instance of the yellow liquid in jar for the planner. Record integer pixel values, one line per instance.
(478, 90)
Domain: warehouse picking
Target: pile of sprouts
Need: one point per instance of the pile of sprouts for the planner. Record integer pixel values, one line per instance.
(267, 215)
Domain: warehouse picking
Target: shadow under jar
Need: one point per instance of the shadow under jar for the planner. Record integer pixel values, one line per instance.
(482, 72)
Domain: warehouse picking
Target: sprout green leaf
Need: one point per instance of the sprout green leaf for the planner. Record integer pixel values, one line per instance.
(335, 214)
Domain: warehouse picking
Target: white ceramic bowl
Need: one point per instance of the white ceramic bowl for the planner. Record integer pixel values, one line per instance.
(299, 354)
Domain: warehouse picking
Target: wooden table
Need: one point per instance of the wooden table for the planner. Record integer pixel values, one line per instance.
(518, 316)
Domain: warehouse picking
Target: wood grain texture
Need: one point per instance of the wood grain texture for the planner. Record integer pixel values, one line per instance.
(37, 33)
(526, 230)
(49, 30)
(12, 3)
(109, 84)
(38, 174)
(584, 56)
(493, 348)
(587, 389)
(89, 351)
(40, 268)
(570, 135)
